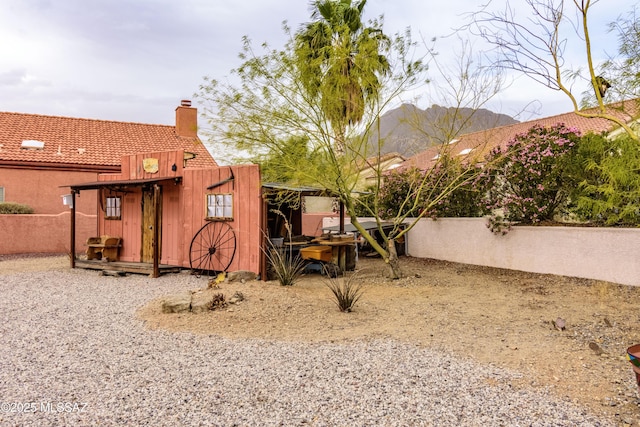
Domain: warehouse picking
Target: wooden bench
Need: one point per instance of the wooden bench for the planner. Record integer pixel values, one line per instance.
(103, 247)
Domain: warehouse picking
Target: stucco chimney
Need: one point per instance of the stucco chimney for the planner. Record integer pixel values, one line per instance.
(186, 119)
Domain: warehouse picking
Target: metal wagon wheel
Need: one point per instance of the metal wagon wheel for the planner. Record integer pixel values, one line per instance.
(212, 248)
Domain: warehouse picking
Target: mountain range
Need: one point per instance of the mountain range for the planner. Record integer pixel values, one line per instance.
(408, 130)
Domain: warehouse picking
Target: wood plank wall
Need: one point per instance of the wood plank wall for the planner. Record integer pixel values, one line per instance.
(184, 209)
(129, 226)
(247, 209)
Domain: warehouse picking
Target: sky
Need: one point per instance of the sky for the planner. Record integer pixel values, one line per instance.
(134, 60)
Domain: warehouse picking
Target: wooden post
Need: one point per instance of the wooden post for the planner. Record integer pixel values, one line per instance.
(264, 246)
(156, 231)
(72, 255)
(341, 218)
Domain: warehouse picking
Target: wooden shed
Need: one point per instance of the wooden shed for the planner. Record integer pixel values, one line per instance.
(167, 216)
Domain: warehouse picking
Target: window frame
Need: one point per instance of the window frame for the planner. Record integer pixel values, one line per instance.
(219, 212)
(2, 194)
(115, 208)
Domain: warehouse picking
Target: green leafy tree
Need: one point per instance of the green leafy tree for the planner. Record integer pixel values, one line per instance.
(452, 190)
(535, 46)
(608, 175)
(622, 71)
(286, 99)
(274, 102)
(280, 164)
(341, 61)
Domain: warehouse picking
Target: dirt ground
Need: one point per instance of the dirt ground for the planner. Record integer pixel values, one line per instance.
(494, 316)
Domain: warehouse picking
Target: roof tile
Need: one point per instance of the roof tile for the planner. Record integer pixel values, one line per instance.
(482, 142)
(90, 142)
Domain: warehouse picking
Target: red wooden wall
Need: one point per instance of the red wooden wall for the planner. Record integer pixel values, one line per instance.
(184, 209)
(247, 209)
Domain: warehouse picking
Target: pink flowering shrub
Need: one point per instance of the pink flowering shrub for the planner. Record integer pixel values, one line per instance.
(539, 176)
(527, 178)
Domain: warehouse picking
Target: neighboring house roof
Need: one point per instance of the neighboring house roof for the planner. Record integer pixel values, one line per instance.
(384, 160)
(475, 146)
(87, 142)
(370, 168)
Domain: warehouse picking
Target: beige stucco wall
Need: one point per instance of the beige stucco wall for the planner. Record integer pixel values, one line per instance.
(609, 254)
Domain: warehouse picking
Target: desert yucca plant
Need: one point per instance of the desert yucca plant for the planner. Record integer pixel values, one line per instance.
(284, 265)
(346, 291)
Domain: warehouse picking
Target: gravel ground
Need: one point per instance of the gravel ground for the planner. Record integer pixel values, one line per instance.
(74, 353)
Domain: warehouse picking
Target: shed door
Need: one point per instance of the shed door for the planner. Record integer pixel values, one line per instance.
(149, 216)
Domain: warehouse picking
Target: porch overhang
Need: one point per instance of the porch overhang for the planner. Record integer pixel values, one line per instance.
(121, 184)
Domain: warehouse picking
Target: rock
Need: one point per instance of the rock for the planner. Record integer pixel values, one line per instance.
(596, 348)
(241, 275)
(560, 324)
(179, 303)
(200, 301)
(113, 273)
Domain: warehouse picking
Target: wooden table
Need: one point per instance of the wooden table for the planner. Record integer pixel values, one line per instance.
(339, 249)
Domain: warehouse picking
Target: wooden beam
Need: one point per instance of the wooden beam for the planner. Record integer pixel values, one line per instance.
(156, 231)
(72, 255)
(263, 238)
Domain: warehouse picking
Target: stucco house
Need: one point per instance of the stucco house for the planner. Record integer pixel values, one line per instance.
(374, 166)
(40, 154)
(476, 145)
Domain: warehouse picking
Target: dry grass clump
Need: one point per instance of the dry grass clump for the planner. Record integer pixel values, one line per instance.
(346, 291)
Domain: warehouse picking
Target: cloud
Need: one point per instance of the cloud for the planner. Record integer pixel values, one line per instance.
(20, 77)
(12, 77)
(99, 58)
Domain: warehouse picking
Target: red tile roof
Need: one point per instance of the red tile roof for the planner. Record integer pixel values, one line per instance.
(88, 142)
(477, 144)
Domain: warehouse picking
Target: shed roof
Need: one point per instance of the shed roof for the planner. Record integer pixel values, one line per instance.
(278, 186)
(124, 183)
(77, 141)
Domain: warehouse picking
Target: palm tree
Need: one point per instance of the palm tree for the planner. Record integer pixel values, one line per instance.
(341, 62)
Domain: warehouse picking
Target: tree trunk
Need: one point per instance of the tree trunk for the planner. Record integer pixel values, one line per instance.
(393, 261)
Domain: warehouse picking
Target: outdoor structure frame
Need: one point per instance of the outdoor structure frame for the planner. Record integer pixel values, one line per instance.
(162, 206)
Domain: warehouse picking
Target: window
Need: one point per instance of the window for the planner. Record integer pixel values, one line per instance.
(1, 194)
(112, 207)
(219, 206)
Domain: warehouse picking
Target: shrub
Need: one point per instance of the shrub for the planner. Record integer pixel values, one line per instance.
(286, 267)
(15, 208)
(217, 302)
(346, 291)
(608, 173)
(528, 180)
(454, 191)
(447, 190)
(399, 188)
